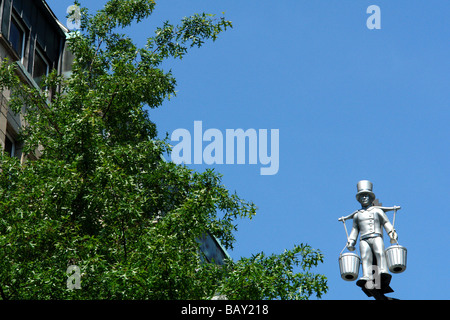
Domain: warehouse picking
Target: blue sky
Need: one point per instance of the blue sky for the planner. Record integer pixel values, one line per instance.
(349, 103)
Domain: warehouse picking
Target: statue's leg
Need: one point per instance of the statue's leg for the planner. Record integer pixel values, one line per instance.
(366, 259)
(378, 251)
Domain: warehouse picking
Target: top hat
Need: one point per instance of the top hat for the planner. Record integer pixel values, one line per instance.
(364, 186)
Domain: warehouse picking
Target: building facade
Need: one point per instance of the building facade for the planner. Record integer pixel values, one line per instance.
(31, 37)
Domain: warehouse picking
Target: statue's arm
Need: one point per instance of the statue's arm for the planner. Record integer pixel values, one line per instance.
(387, 225)
(353, 234)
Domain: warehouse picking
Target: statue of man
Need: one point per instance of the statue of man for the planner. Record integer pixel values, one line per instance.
(369, 222)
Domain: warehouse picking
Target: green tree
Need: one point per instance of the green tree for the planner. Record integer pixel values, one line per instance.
(101, 197)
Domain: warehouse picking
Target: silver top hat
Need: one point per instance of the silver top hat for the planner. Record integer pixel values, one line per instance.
(364, 186)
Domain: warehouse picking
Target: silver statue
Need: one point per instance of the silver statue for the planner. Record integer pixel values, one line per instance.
(369, 222)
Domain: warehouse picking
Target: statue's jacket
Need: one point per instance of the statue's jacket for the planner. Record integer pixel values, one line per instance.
(369, 223)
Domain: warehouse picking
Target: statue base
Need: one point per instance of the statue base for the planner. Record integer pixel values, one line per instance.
(377, 292)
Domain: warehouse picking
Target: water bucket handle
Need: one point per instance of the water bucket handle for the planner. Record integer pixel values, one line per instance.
(393, 220)
(393, 224)
(340, 254)
(346, 233)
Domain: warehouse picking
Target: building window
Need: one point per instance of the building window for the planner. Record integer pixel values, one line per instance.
(17, 38)
(10, 146)
(40, 67)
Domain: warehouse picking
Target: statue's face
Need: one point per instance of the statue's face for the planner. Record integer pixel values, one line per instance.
(365, 199)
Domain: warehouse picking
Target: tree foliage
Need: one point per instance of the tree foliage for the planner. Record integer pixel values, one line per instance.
(101, 197)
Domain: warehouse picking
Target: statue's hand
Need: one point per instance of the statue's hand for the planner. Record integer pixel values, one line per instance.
(394, 237)
(351, 245)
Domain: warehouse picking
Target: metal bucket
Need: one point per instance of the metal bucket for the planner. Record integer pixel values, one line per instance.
(349, 266)
(396, 258)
